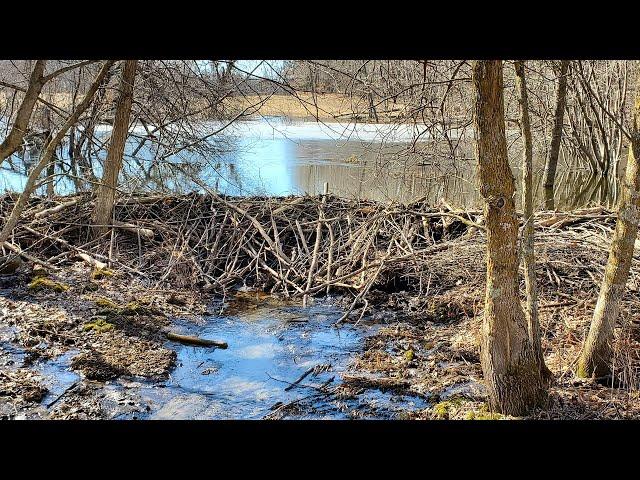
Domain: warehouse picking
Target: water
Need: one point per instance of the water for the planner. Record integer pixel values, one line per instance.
(274, 156)
(269, 349)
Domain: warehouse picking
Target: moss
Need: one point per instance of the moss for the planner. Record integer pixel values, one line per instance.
(99, 273)
(442, 409)
(582, 370)
(43, 283)
(106, 303)
(409, 355)
(135, 308)
(99, 325)
(111, 308)
(483, 413)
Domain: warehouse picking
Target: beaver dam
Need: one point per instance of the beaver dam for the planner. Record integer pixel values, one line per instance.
(328, 308)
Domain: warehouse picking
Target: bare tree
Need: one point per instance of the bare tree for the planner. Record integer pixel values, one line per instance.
(531, 311)
(596, 356)
(14, 139)
(556, 136)
(37, 81)
(596, 110)
(508, 359)
(47, 155)
(106, 191)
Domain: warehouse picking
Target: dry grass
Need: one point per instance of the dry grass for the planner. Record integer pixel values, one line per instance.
(330, 106)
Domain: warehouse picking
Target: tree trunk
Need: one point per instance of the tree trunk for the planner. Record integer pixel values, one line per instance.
(597, 352)
(556, 137)
(13, 141)
(47, 155)
(51, 172)
(508, 360)
(106, 191)
(528, 255)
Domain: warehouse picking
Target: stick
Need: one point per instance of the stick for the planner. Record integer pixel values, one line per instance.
(18, 250)
(129, 227)
(92, 261)
(196, 341)
(75, 384)
(302, 377)
(57, 208)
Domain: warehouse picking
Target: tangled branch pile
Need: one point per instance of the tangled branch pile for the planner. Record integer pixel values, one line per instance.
(296, 246)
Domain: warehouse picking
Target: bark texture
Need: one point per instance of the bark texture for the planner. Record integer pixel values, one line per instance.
(47, 154)
(508, 360)
(528, 253)
(14, 139)
(106, 191)
(549, 177)
(597, 353)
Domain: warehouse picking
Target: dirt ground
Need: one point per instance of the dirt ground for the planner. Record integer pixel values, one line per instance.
(113, 327)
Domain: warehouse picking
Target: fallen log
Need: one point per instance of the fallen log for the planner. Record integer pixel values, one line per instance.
(196, 341)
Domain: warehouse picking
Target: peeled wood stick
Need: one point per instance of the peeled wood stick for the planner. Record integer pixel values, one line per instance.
(330, 259)
(196, 341)
(81, 253)
(316, 247)
(92, 261)
(130, 227)
(288, 205)
(57, 208)
(275, 274)
(314, 261)
(303, 238)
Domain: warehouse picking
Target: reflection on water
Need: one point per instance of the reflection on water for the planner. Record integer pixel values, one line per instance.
(269, 348)
(276, 157)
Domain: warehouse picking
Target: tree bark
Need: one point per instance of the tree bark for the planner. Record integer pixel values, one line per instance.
(528, 253)
(47, 155)
(597, 352)
(508, 360)
(106, 191)
(549, 177)
(13, 141)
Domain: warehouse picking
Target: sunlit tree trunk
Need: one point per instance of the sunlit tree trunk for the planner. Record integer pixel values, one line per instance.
(556, 137)
(106, 191)
(48, 152)
(508, 360)
(597, 352)
(14, 139)
(528, 254)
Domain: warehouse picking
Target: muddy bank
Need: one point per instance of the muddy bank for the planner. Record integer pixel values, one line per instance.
(72, 353)
(112, 328)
